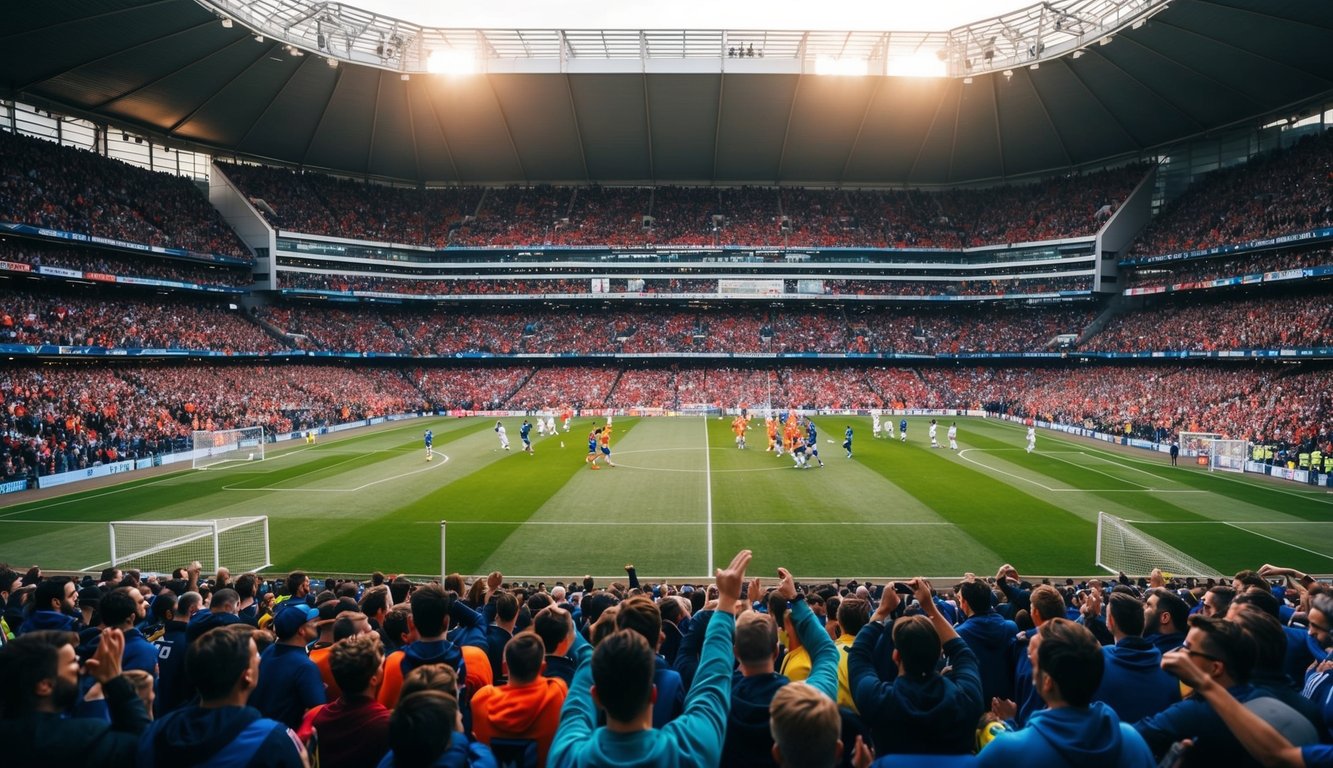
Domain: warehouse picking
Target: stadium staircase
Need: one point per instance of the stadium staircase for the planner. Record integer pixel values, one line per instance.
(1116, 306)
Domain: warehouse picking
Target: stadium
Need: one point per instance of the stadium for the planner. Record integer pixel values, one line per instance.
(295, 287)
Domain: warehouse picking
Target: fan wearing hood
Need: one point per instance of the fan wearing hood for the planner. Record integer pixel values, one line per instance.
(1067, 668)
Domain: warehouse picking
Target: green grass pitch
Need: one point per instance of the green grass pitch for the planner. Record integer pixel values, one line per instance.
(684, 498)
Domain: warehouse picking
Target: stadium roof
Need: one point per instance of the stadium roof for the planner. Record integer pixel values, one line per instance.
(613, 106)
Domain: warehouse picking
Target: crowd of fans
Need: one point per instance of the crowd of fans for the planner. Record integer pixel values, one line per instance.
(59, 418)
(66, 417)
(1214, 269)
(104, 262)
(447, 331)
(1279, 193)
(60, 187)
(128, 668)
(1067, 206)
(70, 317)
(1209, 323)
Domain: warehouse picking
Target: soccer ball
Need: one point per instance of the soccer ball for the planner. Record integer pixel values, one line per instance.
(430, 458)
(562, 443)
(252, 457)
(830, 440)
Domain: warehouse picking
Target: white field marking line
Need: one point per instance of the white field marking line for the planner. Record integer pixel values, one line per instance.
(60, 522)
(351, 456)
(1098, 471)
(1219, 522)
(708, 492)
(1280, 541)
(1055, 435)
(876, 523)
(997, 470)
(1122, 465)
(121, 489)
(343, 490)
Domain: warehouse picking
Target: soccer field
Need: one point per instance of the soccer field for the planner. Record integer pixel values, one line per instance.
(684, 499)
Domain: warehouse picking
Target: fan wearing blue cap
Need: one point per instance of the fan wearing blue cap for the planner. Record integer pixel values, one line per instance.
(289, 682)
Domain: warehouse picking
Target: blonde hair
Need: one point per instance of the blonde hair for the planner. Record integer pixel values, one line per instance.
(805, 725)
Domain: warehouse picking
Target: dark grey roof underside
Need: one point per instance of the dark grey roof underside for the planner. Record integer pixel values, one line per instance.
(169, 67)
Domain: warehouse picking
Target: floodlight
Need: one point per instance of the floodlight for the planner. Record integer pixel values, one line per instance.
(404, 77)
(226, 23)
(453, 61)
(967, 81)
(332, 62)
(259, 38)
(1079, 53)
(1034, 65)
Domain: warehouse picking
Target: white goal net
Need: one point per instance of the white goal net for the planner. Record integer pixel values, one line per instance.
(1196, 443)
(160, 546)
(226, 445)
(1122, 548)
(1228, 455)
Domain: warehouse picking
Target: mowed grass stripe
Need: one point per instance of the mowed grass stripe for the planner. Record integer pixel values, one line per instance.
(180, 495)
(1037, 536)
(1288, 498)
(649, 510)
(844, 493)
(509, 489)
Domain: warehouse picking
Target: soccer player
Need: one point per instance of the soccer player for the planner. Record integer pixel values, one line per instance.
(812, 441)
(1032, 439)
(523, 434)
(888, 426)
(591, 459)
(606, 445)
(541, 426)
(310, 437)
(847, 437)
(504, 436)
(902, 429)
(771, 426)
(874, 424)
(738, 429)
(550, 425)
(430, 443)
(567, 416)
(934, 442)
(953, 436)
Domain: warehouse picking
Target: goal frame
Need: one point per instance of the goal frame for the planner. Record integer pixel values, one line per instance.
(1222, 460)
(227, 444)
(204, 529)
(1169, 558)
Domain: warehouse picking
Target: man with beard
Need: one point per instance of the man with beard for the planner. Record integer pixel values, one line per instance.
(41, 670)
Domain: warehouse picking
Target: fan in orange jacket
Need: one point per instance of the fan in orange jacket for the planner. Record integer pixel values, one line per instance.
(528, 707)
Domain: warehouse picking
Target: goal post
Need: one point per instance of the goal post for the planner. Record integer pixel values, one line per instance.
(240, 544)
(212, 448)
(1122, 548)
(1228, 455)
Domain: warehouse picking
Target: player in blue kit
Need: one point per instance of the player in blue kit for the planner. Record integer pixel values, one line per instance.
(523, 435)
(902, 429)
(812, 441)
(847, 441)
(430, 442)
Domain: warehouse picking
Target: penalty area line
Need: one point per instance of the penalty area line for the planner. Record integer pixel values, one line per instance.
(344, 490)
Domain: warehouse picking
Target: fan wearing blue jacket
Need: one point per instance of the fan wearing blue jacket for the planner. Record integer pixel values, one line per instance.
(991, 638)
(617, 678)
(921, 711)
(1134, 684)
(1067, 667)
(221, 730)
